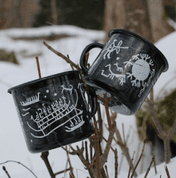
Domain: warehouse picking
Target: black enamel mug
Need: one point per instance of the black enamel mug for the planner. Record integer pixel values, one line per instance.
(126, 69)
(54, 110)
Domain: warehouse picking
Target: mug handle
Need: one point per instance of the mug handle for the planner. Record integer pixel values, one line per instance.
(93, 101)
(87, 49)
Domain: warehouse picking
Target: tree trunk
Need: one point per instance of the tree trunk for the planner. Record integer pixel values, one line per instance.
(167, 154)
(2, 14)
(159, 24)
(114, 15)
(144, 17)
(138, 18)
(18, 7)
(54, 12)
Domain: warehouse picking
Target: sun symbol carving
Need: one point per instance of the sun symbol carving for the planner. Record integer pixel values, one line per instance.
(140, 69)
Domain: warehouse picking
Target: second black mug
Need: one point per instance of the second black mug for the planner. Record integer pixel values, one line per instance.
(126, 69)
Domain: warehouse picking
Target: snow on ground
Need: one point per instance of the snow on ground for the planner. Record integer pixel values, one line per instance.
(13, 145)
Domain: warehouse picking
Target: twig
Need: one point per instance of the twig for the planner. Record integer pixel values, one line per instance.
(172, 130)
(149, 168)
(131, 163)
(106, 142)
(5, 170)
(167, 153)
(152, 95)
(38, 67)
(86, 150)
(70, 60)
(91, 154)
(155, 166)
(123, 131)
(155, 119)
(62, 56)
(116, 163)
(106, 168)
(167, 172)
(138, 159)
(100, 122)
(20, 164)
(103, 158)
(124, 148)
(79, 152)
(44, 156)
(107, 111)
(162, 133)
(60, 172)
(128, 135)
(144, 128)
(86, 59)
(68, 161)
(97, 152)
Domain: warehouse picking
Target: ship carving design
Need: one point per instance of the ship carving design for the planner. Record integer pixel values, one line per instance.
(59, 113)
(31, 100)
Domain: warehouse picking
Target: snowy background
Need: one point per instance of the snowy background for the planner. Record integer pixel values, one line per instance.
(13, 145)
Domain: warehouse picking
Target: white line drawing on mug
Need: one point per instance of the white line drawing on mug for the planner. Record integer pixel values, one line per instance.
(141, 70)
(75, 125)
(27, 109)
(31, 100)
(114, 47)
(111, 75)
(57, 111)
(25, 114)
(119, 69)
(67, 89)
(146, 84)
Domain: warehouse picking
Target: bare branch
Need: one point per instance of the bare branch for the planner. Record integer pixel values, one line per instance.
(100, 122)
(106, 142)
(5, 170)
(74, 152)
(86, 150)
(155, 166)
(97, 152)
(18, 163)
(38, 67)
(116, 163)
(123, 131)
(113, 116)
(118, 135)
(146, 174)
(106, 168)
(62, 56)
(107, 110)
(155, 119)
(44, 156)
(138, 160)
(172, 130)
(128, 134)
(103, 158)
(68, 161)
(167, 172)
(131, 163)
(60, 172)
(167, 153)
